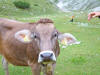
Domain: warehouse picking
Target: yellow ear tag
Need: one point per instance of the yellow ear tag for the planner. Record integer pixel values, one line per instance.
(64, 41)
(26, 39)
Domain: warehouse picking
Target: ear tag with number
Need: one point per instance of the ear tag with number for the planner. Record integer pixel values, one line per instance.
(63, 43)
(26, 39)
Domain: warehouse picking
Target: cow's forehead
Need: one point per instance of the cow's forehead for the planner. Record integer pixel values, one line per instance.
(47, 28)
(45, 25)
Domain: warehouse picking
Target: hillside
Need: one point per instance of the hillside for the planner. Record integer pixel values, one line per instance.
(37, 7)
(70, 5)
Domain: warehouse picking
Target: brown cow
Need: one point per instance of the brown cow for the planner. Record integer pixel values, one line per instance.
(31, 44)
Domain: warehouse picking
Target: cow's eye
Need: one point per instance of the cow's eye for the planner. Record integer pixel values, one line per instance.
(56, 35)
(34, 36)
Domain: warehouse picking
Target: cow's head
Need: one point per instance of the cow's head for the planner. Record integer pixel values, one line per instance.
(45, 37)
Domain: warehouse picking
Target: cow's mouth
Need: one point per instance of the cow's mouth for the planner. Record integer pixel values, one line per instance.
(46, 57)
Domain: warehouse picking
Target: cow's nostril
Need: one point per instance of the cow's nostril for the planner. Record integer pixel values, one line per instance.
(42, 55)
(46, 55)
(51, 55)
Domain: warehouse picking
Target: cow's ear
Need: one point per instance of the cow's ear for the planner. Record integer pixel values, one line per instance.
(67, 39)
(23, 36)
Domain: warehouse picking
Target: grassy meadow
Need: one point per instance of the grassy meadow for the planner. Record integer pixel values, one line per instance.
(81, 59)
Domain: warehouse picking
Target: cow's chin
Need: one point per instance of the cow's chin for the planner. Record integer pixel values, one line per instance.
(47, 62)
(46, 57)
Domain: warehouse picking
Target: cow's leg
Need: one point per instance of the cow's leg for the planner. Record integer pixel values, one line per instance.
(5, 66)
(35, 68)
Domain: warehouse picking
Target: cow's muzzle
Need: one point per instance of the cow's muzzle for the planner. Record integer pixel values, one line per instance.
(46, 57)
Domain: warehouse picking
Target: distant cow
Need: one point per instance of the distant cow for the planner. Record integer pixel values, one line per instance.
(31, 44)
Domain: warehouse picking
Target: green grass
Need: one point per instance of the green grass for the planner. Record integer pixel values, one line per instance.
(82, 59)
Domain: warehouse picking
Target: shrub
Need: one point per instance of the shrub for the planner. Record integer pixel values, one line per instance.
(35, 4)
(22, 5)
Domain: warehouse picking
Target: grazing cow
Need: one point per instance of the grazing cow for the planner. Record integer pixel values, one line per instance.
(31, 44)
